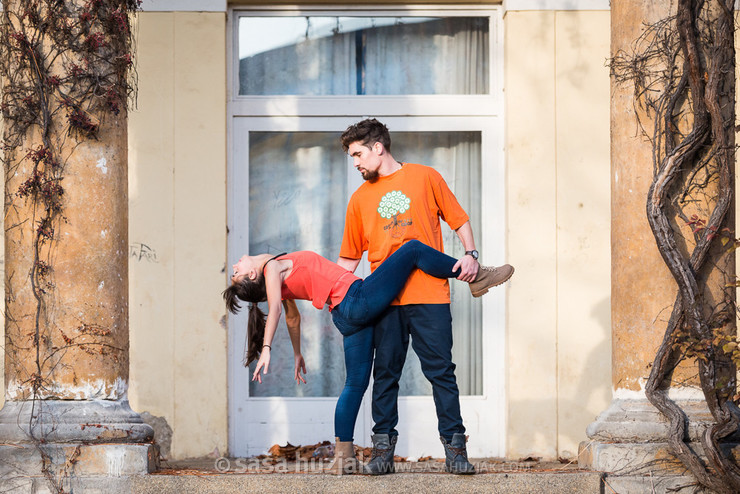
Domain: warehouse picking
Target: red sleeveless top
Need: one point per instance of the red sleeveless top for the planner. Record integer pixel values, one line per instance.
(317, 279)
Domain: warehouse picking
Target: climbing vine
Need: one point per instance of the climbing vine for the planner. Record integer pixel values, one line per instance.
(66, 67)
(683, 73)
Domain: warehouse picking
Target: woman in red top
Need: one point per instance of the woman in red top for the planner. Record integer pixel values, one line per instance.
(353, 302)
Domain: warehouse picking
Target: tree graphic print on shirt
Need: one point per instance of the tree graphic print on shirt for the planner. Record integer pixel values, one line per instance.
(391, 205)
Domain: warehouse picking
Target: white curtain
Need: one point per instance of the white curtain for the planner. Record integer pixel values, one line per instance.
(407, 56)
(440, 56)
(457, 156)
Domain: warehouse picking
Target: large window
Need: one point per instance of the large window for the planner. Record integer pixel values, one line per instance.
(299, 78)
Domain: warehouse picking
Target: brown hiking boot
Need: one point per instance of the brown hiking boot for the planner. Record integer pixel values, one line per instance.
(490, 276)
(345, 461)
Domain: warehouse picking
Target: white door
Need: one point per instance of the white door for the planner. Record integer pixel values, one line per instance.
(288, 191)
(288, 186)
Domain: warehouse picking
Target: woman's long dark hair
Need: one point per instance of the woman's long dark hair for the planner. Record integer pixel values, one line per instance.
(252, 291)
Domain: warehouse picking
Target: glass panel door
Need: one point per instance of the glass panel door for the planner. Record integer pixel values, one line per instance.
(465, 151)
(297, 201)
(289, 187)
(287, 190)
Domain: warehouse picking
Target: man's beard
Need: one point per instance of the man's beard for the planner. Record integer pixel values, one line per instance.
(370, 176)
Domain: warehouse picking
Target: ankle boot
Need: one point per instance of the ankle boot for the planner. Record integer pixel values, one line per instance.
(381, 461)
(456, 455)
(344, 459)
(488, 277)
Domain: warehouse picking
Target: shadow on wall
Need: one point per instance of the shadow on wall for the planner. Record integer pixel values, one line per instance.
(593, 392)
(576, 406)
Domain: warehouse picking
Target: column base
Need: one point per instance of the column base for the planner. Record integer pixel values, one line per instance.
(65, 462)
(75, 421)
(62, 441)
(630, 439)
(639, 459)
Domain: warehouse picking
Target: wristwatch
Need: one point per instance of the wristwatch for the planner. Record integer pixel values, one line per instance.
(472, 253)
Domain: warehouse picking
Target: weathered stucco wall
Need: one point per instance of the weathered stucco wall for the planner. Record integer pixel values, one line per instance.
(177, 174)
(177, 212)
(557, 159)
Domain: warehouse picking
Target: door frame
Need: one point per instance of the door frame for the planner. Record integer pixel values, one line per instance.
(484, 415)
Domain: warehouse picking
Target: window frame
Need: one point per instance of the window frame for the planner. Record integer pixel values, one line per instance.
(361, 105)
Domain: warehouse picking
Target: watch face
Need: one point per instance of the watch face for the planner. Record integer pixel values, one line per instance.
(473, 253)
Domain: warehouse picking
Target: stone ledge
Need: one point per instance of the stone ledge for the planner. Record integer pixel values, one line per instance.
(638, 421)
(77, 460)
(516, 483)
(521, 483)
(654, 484)
(71, 421)
(639, 459)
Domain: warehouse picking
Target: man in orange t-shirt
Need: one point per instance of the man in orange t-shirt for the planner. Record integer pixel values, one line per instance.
(399, 202)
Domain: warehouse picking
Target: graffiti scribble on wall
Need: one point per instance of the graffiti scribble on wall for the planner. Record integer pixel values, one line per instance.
(141, 251)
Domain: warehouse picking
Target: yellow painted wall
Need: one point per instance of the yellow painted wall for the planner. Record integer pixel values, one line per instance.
(557, 159)
(177, 175)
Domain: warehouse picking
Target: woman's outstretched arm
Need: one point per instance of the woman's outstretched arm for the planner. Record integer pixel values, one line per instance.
(293, 321)
(273, 285)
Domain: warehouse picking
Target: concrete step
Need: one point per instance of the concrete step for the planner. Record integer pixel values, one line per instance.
(266, 475)
(509, 483)
(200, 482)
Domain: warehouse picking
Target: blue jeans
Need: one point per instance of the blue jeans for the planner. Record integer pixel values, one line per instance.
(355, 315)
(358, 360)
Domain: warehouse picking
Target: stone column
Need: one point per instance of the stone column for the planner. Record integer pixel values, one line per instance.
(66, 414)
(630, 435)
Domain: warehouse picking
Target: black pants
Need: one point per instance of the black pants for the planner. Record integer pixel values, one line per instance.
(430, 328)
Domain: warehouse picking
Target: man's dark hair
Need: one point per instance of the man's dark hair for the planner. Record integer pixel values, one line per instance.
(367, 133)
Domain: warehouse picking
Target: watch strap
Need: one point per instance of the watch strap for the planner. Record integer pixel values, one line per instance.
(473, 253)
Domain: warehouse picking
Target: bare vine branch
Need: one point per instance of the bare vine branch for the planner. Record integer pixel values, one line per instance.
(683, 71)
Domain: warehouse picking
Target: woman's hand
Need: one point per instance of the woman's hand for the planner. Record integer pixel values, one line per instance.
(300, 365)
(263, 363)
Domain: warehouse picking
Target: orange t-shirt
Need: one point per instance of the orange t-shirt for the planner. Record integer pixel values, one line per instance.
(406, 205)
(316, 278)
